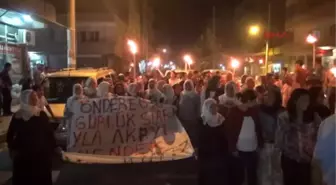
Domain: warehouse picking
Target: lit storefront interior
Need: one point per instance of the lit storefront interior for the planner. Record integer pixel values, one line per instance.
(16, 33)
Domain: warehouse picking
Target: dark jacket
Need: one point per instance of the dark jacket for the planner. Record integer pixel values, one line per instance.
(234, 118)
(6, 80)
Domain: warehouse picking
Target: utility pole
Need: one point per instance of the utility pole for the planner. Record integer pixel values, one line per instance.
(72, 40)
(267, 39)
(214, 49)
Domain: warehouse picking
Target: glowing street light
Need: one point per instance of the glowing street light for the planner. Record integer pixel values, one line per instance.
(132, 46)
(133, 49)
(311, 39)
(164, 50)
(188, 61)
(254, 30)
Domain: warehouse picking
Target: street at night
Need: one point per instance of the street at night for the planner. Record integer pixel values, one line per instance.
(174, 92)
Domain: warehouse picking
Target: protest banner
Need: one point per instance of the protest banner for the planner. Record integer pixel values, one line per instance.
(125, 130)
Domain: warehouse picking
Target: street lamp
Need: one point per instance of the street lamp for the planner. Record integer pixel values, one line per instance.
(164, 50)
(133, 49)
(234, 65)
(311, 39)
(254, 30)
(188, 61)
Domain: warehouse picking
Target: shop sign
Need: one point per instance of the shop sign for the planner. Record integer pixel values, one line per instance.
(9, 49)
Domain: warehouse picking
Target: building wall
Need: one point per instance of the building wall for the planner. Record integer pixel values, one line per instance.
(96, 38)
(51, 41)
(303, 20)
(39, 7)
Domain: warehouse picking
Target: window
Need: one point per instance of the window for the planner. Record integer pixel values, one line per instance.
(96, 36)
(82, 36)
(89, 36)
(332, 30)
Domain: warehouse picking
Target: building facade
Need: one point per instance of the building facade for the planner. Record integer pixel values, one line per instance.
(28, 38)
(102, 32)
(316, 17)
(269, 15)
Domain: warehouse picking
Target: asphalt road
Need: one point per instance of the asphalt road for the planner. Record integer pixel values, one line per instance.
(183, 172)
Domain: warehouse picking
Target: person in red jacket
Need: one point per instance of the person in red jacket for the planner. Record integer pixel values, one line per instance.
(243, 131)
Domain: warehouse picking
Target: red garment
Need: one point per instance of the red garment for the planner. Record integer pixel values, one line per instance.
(234, 118)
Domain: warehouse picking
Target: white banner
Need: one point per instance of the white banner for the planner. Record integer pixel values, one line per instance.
(125, 130)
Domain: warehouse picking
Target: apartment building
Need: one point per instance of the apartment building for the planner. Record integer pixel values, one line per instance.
(304, 17)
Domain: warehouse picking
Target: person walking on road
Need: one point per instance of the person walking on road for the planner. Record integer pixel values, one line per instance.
(31, 143)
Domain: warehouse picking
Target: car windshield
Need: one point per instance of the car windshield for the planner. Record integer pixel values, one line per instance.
(61, 88)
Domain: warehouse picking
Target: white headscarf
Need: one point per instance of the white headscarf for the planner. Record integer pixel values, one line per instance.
(89, 90)
(153, 94)
(168, 91)
(160, 85)
(132, 89)
(208, 117)
(26, 110)
(74, 97)
(103, 89)
(188, 92)
(225, 99)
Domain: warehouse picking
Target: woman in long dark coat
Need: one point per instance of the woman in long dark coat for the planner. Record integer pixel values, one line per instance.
(213, 151)
(31, 143)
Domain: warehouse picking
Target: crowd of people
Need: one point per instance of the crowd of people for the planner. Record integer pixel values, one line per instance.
(264, 132)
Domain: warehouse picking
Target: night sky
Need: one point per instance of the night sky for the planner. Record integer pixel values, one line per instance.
(179, 23)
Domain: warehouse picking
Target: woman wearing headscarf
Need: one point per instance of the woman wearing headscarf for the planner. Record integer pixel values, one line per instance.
(153, 94)
(269, 165)
(211, 89)
(132, 90)
(189, 110)
(119, 89)
(104, 90)
(77, 95)
(90, 89)
(168, 92)
(31, 143)
(213, 152)
(160, 85)
(229, 97)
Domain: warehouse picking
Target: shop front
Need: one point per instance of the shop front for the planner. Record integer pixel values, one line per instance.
(17, 33)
